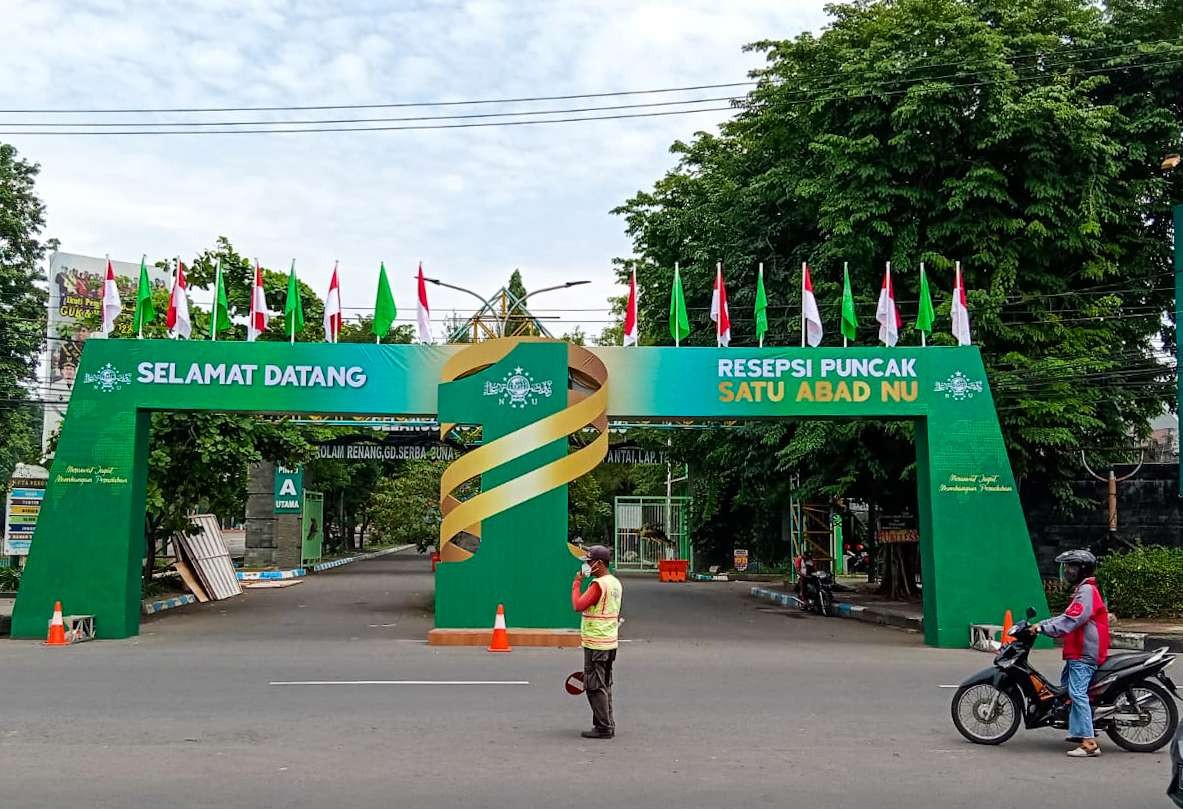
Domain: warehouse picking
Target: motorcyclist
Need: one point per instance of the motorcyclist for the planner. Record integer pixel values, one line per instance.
(804, 565)
(1084, 626)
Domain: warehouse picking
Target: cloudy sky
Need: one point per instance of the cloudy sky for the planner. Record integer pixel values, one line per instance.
(471, 203)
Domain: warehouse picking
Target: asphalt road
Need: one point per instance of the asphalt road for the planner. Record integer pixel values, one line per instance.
(721, 702)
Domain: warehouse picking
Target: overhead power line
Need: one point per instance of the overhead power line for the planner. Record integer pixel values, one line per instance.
(393, 105)
(272, 131)
(566, 111)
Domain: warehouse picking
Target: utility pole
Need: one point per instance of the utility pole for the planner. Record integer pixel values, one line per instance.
(1112, 482)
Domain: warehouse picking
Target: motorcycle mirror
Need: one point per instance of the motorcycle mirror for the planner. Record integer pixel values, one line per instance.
(1030, 613)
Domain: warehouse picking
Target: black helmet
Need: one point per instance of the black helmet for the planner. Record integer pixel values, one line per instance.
(1077, 565)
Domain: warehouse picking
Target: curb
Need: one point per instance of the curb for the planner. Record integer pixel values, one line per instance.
(270, 575)
(706, 577)
(844, 609)
(348, 560)
(1144, 641)
(152, 607)
(1129, 641)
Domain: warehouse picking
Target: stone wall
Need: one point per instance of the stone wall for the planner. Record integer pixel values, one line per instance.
(272, 540)
(1149, 510)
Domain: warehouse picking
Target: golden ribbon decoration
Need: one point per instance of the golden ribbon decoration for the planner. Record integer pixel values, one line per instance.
(587, 403)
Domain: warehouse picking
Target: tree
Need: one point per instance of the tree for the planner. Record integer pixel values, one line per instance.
(22, 308)
(518, 324)
(1021, 137)
(406, 505)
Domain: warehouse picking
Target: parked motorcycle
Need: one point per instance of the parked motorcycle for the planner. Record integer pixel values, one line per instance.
(817, 589)
(1132, 697)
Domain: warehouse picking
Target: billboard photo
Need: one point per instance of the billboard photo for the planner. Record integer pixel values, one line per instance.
(76, 290)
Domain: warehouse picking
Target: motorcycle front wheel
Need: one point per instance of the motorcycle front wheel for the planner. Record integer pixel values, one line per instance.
(985, 715)
(825, 602)
(1159, 718)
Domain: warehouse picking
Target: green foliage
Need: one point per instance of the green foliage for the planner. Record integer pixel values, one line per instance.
(10, 579)
(406, 507)
(1143, 583)
(1058, 594)
(22, 308)
(994, 132)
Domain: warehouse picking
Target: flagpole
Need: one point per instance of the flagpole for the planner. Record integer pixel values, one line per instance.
(213, 326)
(172, 302)
(923, 341)
(803, 304)
(140, 335)
(761, 282)
(677, 331)
(719, 292)
(845, 275)
(292, 327)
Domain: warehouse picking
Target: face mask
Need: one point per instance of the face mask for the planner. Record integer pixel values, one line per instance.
(586, 569)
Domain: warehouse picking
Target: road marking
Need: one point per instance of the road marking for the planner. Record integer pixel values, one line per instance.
(399, 682)
(948, 686)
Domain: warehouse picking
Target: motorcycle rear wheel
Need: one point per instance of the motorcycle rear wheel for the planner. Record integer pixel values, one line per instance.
(1163, 717)
(971, 710)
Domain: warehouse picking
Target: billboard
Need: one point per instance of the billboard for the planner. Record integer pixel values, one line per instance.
(76, 290)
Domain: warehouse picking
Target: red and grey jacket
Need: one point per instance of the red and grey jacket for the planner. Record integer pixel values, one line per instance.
(1084, 626)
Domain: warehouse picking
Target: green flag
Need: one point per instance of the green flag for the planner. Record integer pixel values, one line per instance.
(925, 315)
(849, 322)
(145, 312)
(293, 307)
(220, 316)
(679, 322)
(385, 311)
(761, 306)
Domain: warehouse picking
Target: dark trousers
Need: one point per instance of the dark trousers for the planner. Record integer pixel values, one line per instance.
(597, 680)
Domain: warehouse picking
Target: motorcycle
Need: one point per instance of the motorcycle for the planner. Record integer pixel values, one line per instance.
(1133, 699)
(817, 590)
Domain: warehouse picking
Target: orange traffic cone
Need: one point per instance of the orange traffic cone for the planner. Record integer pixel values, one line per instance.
(57, 629)
(1007, 623)
(500, 635)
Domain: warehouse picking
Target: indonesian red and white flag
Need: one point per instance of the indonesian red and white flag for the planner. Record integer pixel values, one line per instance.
(257, 324)
(809, 311)
(333, 314)
(112, 306)
(424, 314)
(178, 321)
(960, 310)
(631, 331)
(887, 313)
(719, 312)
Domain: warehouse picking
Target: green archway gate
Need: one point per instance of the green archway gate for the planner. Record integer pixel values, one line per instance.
(529, 396)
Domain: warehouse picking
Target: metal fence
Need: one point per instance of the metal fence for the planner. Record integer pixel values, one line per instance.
(648, 530)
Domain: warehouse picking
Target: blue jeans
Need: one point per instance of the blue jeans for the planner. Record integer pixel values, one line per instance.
(1076, 678)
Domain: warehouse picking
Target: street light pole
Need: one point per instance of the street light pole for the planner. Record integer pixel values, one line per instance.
(484, 301)
(523, 299)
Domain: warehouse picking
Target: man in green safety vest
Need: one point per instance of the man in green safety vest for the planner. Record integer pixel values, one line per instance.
(600, 606)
